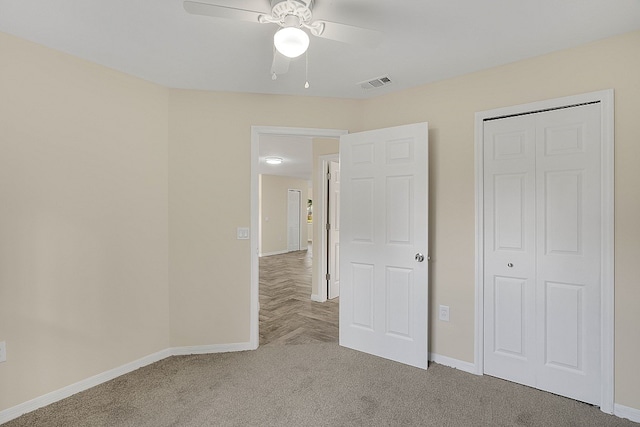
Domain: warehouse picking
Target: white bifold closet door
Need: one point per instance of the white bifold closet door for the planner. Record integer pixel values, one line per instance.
(542, 234)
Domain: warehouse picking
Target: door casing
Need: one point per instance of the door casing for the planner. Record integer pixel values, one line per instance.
(321, 215)
(605, 98)
(333, 234)
(295, 217)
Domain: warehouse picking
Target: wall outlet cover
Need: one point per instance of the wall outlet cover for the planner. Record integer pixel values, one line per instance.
(444, 313)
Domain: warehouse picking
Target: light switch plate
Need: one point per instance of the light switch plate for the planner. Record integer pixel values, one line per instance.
(3, 351)
(243, 233)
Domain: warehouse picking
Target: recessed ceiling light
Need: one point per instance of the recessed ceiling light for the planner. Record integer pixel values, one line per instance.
(273, 160)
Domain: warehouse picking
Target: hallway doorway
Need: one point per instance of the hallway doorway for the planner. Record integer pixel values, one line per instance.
(291, 291)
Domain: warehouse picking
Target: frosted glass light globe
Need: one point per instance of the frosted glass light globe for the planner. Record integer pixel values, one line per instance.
(291, 42)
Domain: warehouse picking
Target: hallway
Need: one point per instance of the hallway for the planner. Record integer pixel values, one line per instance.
(287, 314)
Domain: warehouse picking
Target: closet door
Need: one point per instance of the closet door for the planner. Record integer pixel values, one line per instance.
(510, 251)
(568, 251)
(542, 250)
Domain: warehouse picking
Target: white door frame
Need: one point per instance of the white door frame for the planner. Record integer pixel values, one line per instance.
(321, 215)
(605, 98)
(256, 131)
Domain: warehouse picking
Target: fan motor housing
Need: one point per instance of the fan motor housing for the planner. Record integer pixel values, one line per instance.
(300, 8)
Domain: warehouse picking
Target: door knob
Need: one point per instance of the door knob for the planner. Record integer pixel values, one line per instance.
(419, 257)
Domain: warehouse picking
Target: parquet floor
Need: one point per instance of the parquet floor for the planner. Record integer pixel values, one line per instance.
(287, 314)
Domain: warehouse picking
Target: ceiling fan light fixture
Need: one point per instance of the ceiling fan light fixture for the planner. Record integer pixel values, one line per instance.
(291, 41)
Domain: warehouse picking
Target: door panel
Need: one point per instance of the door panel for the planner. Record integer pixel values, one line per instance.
(398, 310)
(510, 317)
(362, 300)
(399, 211)
(564, 322)
(509, 193)
(384, 289)
(563, 192)
(362, 219)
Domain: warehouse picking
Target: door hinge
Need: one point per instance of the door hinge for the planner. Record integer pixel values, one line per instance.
(328, 277)
(328, 176)
(328, 227)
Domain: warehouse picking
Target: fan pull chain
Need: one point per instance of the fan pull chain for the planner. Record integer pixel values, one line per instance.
(306, 70)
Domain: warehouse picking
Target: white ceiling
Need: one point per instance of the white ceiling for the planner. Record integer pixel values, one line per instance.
(424, 41)
(295, 152)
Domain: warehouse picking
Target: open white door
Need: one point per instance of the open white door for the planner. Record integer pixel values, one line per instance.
(334, 230)
(384, 243)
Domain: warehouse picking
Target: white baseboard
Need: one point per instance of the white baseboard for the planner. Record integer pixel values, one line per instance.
(453, 363)
(622, 411)
(272, 253)
(317, 298)
(54, 396)
(207, 349)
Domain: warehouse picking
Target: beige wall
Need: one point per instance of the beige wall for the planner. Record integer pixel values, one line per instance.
(449, 107)
(321, 147)
(209, 196)
(83, 220)
(273, 212)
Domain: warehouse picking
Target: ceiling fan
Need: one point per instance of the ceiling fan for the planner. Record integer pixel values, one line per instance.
(290, 41)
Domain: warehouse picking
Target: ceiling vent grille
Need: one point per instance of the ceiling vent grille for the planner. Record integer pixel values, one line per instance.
(375, 83)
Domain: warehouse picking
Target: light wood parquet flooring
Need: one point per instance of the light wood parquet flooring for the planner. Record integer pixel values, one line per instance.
(287, 314)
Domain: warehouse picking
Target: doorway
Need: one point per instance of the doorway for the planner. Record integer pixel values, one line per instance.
(544, 234)
(256, 133)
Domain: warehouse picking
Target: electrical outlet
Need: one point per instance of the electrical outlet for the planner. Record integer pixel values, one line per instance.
(444, 313)
(3, 351)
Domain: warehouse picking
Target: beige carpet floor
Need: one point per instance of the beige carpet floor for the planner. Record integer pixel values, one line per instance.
(310, 385)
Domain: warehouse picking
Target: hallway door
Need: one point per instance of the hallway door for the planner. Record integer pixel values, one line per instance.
(383, 251)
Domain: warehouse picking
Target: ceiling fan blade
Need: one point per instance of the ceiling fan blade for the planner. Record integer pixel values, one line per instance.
(226, 12)
(349, 34)
(280, 63)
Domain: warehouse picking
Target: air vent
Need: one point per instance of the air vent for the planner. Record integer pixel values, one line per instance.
(375, 83)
